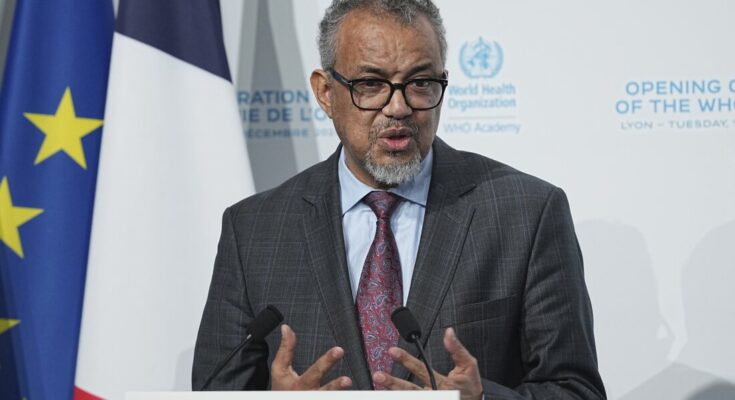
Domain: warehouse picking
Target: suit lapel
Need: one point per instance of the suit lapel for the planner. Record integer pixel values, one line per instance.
(326, 254)
(446, 223)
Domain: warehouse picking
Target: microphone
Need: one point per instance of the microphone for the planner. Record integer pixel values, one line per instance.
(409, 329)
(263, 324)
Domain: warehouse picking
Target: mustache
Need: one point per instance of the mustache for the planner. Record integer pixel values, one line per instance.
(407, 124)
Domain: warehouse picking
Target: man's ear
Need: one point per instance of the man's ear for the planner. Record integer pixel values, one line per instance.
(322, 90)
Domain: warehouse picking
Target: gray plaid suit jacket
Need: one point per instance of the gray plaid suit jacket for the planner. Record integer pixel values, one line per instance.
(498, 260)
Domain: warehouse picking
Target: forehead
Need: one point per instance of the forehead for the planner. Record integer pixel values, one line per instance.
(367, 40)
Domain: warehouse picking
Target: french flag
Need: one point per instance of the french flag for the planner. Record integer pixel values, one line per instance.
(172, 158)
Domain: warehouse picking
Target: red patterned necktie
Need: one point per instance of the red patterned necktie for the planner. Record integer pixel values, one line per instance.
(380, 290)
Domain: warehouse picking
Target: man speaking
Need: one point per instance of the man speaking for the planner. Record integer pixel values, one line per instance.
(484, 256)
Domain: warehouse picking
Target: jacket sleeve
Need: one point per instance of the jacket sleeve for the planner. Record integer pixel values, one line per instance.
(557, 342)
(223, 327)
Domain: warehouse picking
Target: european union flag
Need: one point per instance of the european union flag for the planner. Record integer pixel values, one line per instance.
(51, 111)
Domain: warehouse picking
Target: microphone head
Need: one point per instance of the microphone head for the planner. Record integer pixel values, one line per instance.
(406, 324)
(264, 323)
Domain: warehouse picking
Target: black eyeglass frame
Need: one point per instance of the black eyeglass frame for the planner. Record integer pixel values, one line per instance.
(350, 84)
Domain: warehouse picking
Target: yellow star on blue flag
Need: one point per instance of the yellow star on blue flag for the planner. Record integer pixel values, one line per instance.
(12, 217)
(64, 131)
(7, 324)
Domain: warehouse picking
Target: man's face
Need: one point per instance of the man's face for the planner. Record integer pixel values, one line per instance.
(378, 46)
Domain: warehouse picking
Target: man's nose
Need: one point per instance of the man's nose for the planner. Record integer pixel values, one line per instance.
(397, 107)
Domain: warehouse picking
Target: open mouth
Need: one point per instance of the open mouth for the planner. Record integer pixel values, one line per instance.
(396, 140)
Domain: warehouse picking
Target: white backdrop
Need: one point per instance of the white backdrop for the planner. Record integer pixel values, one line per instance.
(629, 106)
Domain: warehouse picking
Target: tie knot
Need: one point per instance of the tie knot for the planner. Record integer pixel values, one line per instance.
(382, 203)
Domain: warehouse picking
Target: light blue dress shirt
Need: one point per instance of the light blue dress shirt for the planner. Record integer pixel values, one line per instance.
(358, 220)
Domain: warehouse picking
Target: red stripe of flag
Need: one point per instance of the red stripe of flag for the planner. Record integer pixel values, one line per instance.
(80, 394)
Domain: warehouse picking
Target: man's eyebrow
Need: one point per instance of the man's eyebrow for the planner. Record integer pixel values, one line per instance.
(421, 68)
(371, 69)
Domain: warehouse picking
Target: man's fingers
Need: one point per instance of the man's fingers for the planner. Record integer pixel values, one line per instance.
(413, 364)
(341, 383)
(284, 355)
(312, 378)
(393, 383)
(460, 355)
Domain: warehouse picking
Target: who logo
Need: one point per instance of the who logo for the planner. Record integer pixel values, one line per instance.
(481, 59)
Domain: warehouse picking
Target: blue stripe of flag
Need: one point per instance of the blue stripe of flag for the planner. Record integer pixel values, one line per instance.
(189, 30)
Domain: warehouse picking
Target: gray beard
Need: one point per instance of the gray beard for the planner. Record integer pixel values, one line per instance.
(393, 174)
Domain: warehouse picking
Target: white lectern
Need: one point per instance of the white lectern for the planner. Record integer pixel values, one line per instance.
(336, 395)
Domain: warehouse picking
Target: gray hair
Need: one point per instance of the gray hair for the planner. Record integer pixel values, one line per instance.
(405, 11)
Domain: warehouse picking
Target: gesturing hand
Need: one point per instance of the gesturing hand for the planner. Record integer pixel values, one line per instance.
(465, 376)
(283, 376)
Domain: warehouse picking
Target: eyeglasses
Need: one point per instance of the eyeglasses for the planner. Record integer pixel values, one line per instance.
(374, 93)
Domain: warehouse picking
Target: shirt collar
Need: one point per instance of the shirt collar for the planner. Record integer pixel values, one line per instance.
(352, 190)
